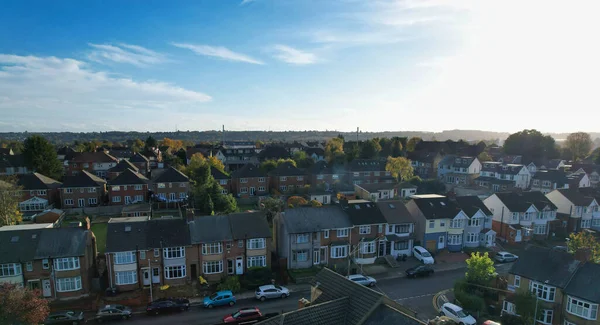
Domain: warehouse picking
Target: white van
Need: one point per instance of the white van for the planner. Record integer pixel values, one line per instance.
(423, 255)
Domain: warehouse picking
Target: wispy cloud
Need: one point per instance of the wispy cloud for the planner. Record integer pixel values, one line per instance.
(245, 2)
(125, 53)
(293, 56)
(218, 52)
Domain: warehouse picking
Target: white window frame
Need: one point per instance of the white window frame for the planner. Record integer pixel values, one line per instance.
(212, 267)
(115, 188)
(509, 307)
(116, 199)
(472, 237)
(364, 230)
(45, 264)
(124, 258)
(173, 252)
(431, 224)
(256, 243)
(367, 247)
(326, 233)
(243, 190)
(340, 251)
(256, 261)
(261, 179)
(180, 269)
(342, 232)
(454, 239)
(126, 277)
(212, 248)
(539, 229)
(138, 187)
(68, 284)
(92, 201)
(517, 282)
(10, 269)
(302, 238)
(29, 266)
(456, 223)
(156, 252)
(586, 223)
(542, 291)
(66, 263)
(142, 255)
(577, 307)
(475, 222)
(69, 202)
(546, 316)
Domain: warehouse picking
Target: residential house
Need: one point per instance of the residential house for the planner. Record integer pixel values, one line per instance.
(317, 154)
(581, 296)
(273, 152)
(13, 165)
(325, 176)
(121, 167)
(478, 229)
(399, 229)
(502, 177)
(368, 171)
(231, 244)
(368, 232)
(64, 152)
(237, 155)
(39, 193)
(576, 210)
(287, 178)
(548, 180)
(376, 191)
(130, 187)
(307, 236)
(554, 164)
(440, 223)
(579, 179)
(323, 197)
(593, 172)
(141, 162)
(519, 216)
(57, 261)
(154, 157)
(425, 163)
(406, 190)
(171, 186)
(249, 181)
(97, 163)
(458, 170)
(82, 190)
(121, 153)
(223, 179)
(142, 252)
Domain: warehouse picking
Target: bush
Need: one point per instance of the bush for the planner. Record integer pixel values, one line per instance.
(508, 319)
(468, 301)
(256, 277)
(230, 283)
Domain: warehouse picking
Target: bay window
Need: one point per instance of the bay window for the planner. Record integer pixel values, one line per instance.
(126, 277)
(212, 267)
(539, 229)
(454, 239)
(176, 271)
(582, 308)
(212, 249)
(68, 263)
(257, 261)
(401, 245)
(367, 248)
(456, 223)
(300, 256)
(363, 230)
(11, 269)
(124, 257)
(68, 284)
(472, 237)
(302, 238)
(542, 291)
(545, 317)
(174, 252)
(342, 232)
(256, 243)
(339, 251)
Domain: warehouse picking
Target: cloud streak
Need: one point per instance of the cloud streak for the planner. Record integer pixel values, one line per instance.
(218, 52)
(293, 56)
(125, 53)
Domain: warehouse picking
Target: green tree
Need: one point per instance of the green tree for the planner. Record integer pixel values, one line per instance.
(411, 145)
(303, 160)
(399, 167)
(268, 165)
(531, 144)
(209, 206)
(484, 156)
(41, 157)
(386, 147)
(396, 147)
(480, 269)
(137, 145)
(525, 301)
(351, 152)
(272, 206)
(587, 241)
(370, 149)
(580, 145)
(334, 150)
(9, 202)
(151, 142)
(21, 305)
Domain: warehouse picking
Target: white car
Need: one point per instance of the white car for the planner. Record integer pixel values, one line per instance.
(271, 291)
(362, 279)
(423, 255)
(457, 314)
(503, 257)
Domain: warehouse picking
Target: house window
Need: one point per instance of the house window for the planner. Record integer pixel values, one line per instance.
(515, 216)
(367, 174)
(454, 239)
(582, 308)
(126, 277)
(160, 185)
(212, 267)
(536, 182)
(475, 222)
(356, 174)
(139, 198)
(138, 187)
(212, 249)
(176, 271)
(339, 251)
(431, 224)
(320, 176)
(326, 233)
(68, 190)
(173, 252)
(261, 188)
(368, 248)
(92, 201)
(156, 252)
(283, 178)
(116, 199)
(335, 176)
(586, 223)
(142, 255)
(45, 264)
(342, 232)
(172, 196)
(68, 263)
(29, 266)
(182, 195)
(257, 261)
(240, 243)
(363, 230)
(300, 178)
(256, 243)
(596, 222)
(509, 308)
(91, 190)
(388, 174)
(124, 258)
(182, 184)
(244, 190)
(456, 223)
(68, 284)
(243, 180)
(517, 281)
(302, 238)
(542, 291)
(283, 188)
(69, 202)
(41, 192)
(545, 316)
(300, 256)
(472, 237)
(11, 269)
(261, 179)
(539, 229)
(401, 245)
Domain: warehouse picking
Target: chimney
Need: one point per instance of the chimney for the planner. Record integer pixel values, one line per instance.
(189, 215)
(303, 302)
(583, 255)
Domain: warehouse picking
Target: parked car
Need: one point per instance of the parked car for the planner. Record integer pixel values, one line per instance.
(423, 255)
(490, 322)
(503, 257)
(65, 317)
(165, 306)
(362, 279)
(243, 315)
(221, 298)
(419, 270)
(457, 314)
(113, 312)
(271, 291)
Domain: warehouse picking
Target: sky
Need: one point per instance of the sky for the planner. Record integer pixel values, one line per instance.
(427, 65)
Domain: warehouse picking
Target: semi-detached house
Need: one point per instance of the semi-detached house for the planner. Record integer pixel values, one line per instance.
(82, 190)
(368, 231)
(97, 163)
(576, 210)
(249, 181)
(287, 178)
(478, 228)
(39, 193)
(129, 187)
(399, 229)
(171, 186)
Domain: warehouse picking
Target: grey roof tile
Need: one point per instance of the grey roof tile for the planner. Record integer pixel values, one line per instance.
(249, 225)
(471, 204)
(395, 212)
(310, 219)
(83, 179)
(129, 177)
(61, 242)
(363, 213)
(543, 264)
(208, 229)
(584, 283)
(171, 175)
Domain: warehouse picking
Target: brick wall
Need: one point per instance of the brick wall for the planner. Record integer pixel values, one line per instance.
(124, 191)
(82, 193)
(237, 185)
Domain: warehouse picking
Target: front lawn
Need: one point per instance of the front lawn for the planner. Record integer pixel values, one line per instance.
(99, 230)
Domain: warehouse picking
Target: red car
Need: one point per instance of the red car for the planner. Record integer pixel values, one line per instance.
(243, 315)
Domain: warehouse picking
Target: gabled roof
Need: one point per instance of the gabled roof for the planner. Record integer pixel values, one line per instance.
(138, 158)
(423, 156)
(126, 234)
(358, 165)
(274, 152)
(129, 177)
(122, 166)
(167, 233)
(287, 169)
(363, 212)
(311, 219)
(576, 197)
(12, 161)
(436, 206)
(37, 181)
(395, 212)
(375, 187)
(555, 176)
(246, 225)
(62, 242)
(457, 161)
(248, 171)
(217, 174)
(328, 313)
(120, 153)
(471, 204)
(208, 229)
(545, 265)
(171, 175)
(553, 163)
(588, 168)
(18, 245)
(584, 283)
(520, 202)
(94, 157)
(65, 150)
(83, 179)
(323, 168)
(316, 151)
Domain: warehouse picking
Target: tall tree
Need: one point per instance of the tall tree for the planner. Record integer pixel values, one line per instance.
(396, 147)
(525, 302)
(174, 145)
(137, 145)
(303, 160)
(580, 144)
(21, 305)
(480, 268)
(268, 165)
(399, 167)
(386, 147)
(411, 145)
(151, 142)
(334, 150)
(484, 156)
(370, 149)
(584, 240)
(9, 202)
(272, 206)
(41, 156)
(531, 144)
(216, 163)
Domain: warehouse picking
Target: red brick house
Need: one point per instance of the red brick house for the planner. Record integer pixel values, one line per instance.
(321, 174)
(82, 190)
(287, 178)
(368, 171)
(154, 157)
(141, 162)
(39, 193)
(368, 232)
(97, 163)
(249, 181)
(129, 187)
(171, 186)
(121, 167)
(223, 179)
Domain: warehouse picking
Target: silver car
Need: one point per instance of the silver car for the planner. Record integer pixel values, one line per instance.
(271, 291)
(505, 257)
(362, 279)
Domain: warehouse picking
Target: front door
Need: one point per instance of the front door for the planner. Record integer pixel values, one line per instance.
(146, 277)
(239, 265)
(128, 200)
(194, 271)
(441, 242)
(381, 249)
(518, 236)
(317, 256)
(34, 285)
(156, 275)
(46, 288)
(323, 255)
(81, 203)
(252, 190)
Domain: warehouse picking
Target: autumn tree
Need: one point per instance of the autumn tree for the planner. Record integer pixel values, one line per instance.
(334, 150)
(272, 206)
(370, 149)
(296, 201)
(480, 268)
(316, 203)
(580, 145)
(411, 145)
(9, 202)
(137, 145)
(399, 167)
(21, 305)
(216, 163)
(174, 145)
(41, 157)
(268, 165)
(587, 241)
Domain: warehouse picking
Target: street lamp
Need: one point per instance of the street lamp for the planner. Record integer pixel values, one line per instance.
(150, 279)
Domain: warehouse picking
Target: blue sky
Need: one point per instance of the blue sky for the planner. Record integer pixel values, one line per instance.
(301, 65)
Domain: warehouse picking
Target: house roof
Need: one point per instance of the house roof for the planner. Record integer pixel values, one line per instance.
(138, 158)
(374, 187)
(274, 152)
(96, 157)
(208, 229)
(126, 234)
(167, 233)
(545, 265)
(584, 283)
(249, 225)
(18, 245)
(171, 175)
(138, 207)
(217, 174)
(576, 197)
(61, 242)
(358, 165)
(120, 153)
(494, 180)
(64, 150)
(385, 314)
(129, 177)
(395, 212)
(553, 163)
(363, 212)
(588, 168)
(311, 219)
(316, 151)
(457, 161)
(37, 181)
(287, 169)
(471, 204)
(406, 185)
(83, 179)
(520, 202)
(436, 207)
(555, 176)
(122, 166)
(248, 171)
(12, 161)
(6, 151)
(423, 156)
(328, 313)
